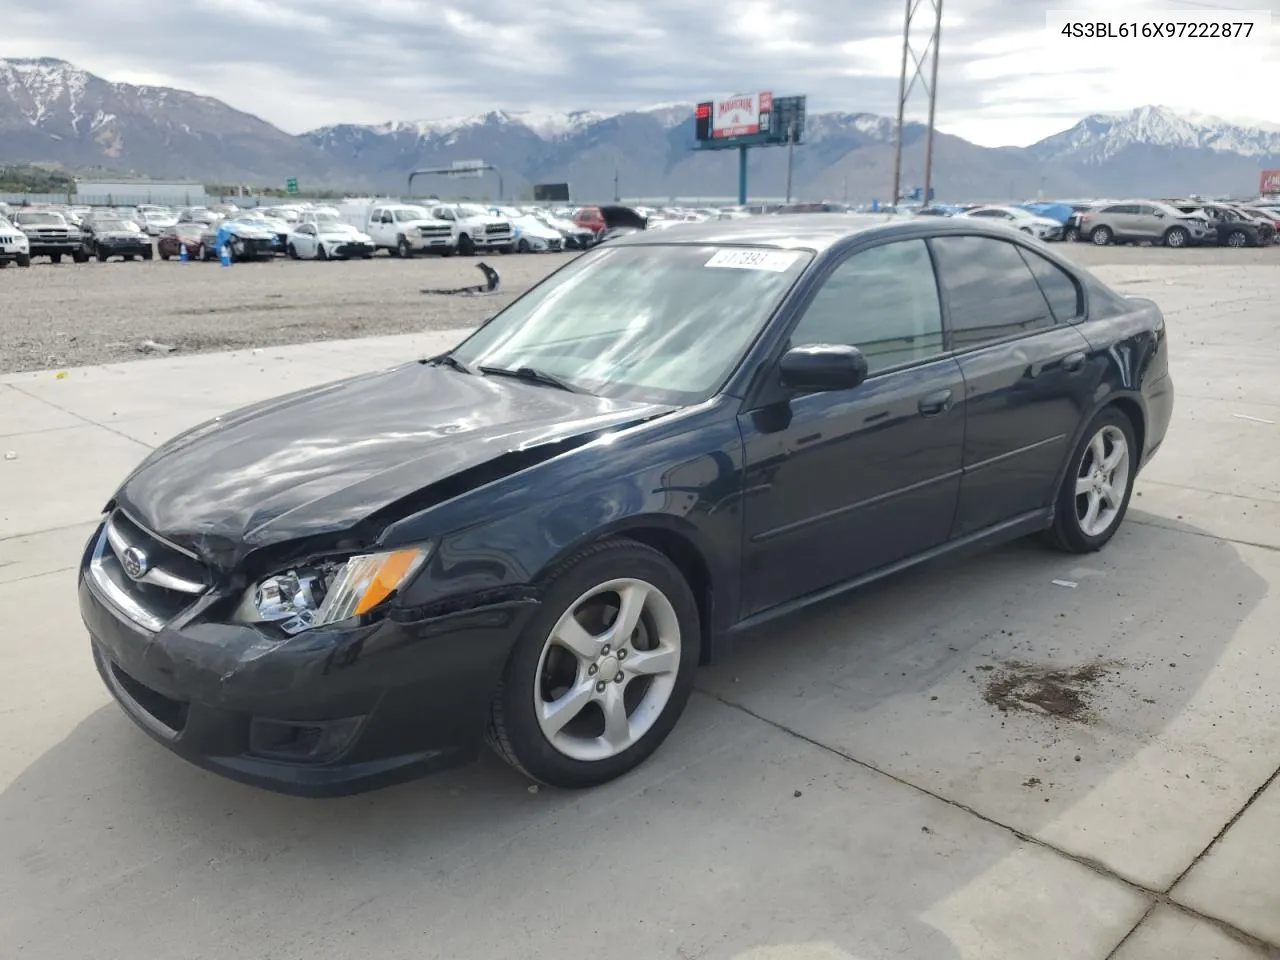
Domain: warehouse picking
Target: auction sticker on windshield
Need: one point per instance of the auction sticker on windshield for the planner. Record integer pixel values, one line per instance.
(775, 261)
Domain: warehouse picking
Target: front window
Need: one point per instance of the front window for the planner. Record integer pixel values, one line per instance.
(472, 210)
(41, 219)
(409, 214)
(656, 323)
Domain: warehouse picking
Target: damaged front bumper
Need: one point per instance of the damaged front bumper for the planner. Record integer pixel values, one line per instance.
(328, 712)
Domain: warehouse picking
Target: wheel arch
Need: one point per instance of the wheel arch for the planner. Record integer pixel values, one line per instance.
(679, 542)
(1128, 403)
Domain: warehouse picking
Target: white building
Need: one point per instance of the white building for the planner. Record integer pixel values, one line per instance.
(127, 193)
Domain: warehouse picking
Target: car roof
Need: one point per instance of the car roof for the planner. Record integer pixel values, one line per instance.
(806, 231)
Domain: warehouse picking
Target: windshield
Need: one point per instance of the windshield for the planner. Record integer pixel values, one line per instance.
(656, 323)
(190, 229)
(409, 214)
(105, 223)
(509, 212)
(324, 217)
(333, 226)
(472, 210)
(53, 219)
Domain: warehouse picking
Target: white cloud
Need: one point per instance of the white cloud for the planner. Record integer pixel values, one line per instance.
(305, 63)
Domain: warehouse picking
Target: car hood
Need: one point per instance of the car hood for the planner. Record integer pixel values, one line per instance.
(320, 461)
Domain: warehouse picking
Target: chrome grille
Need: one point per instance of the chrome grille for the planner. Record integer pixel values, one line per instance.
(443, 230)
(498, 230)
(146, 578)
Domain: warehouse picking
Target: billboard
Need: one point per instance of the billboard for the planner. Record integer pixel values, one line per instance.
(551, 192)
(748, 119)
(1269, 182)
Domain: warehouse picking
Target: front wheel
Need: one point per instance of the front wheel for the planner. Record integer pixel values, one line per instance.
(102, 255)
(1176, 237)
(1072, 235)
(292, 252)
(403, 249)
(23, 259)
(55, 258)
(1095, 492)
(1101, 236)
(1237, 238)
(80, 256)
(466, 246)
(602, 671)
(321, 254)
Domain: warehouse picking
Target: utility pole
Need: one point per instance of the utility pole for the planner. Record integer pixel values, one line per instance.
(905, 88)
(616, 195)
(791, 146)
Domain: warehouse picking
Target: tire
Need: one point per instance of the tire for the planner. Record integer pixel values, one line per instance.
(164, 256)
(320, 252)
(80, 256)
(1072, 235)
(1071, 532)
(102, 255)
(292, 251)
(403, 250)
(148, 254)
(1237, 238)
(55, 258)
(448, 251)
(507, 248)
(1176, 237)
(23, 260)
(466, 246)
(1101, 236)
(522, 246)
(580, 756)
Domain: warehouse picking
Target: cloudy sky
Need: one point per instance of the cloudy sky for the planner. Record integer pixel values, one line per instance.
(1005, 78)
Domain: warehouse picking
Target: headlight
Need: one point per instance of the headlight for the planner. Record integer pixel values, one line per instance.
(326, 593)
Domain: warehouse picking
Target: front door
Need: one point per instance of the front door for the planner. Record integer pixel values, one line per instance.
(1028, 373)
(841, 483)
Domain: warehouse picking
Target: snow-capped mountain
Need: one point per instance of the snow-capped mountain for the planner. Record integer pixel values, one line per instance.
(1098, 138)
(52, 111)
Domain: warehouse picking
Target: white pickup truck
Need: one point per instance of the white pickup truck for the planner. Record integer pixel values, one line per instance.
(478, 230)
(406, 229)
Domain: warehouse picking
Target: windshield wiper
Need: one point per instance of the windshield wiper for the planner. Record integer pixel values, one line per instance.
(533, 375)
(449, 360)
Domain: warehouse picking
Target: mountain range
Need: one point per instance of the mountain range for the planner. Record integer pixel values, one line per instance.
(56, 113)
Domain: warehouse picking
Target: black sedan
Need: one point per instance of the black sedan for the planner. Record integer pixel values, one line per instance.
(106, 237)
(536, 538)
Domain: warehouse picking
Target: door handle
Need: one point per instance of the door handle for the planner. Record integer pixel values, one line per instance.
(1073, 362)
(935, 403)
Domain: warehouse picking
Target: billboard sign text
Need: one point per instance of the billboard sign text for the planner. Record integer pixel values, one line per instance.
(1269, 182)
(741, 115)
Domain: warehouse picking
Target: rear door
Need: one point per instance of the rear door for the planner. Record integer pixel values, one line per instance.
(1027, 376)
(844, 482)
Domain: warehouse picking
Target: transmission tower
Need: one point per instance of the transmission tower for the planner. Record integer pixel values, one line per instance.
(916, 17)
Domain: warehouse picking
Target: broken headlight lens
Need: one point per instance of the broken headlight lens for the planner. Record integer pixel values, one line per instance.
(311, 597)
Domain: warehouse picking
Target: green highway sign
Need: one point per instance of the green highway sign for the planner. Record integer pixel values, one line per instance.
(291, 184)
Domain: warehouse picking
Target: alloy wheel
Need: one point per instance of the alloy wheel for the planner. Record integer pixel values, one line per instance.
(607, 669)
(1237, 239)
(1101, 481)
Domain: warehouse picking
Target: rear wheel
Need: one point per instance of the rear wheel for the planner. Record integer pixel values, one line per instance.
(1096, 489)
(602, 671)
(1101, 236)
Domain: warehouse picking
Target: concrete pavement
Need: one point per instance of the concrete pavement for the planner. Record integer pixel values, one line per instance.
(1016, 754)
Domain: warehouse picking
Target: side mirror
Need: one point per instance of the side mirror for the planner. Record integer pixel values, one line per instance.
(820, 367)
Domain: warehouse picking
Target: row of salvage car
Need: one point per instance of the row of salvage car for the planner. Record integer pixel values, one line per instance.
(1169, 223)
(347, 230)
